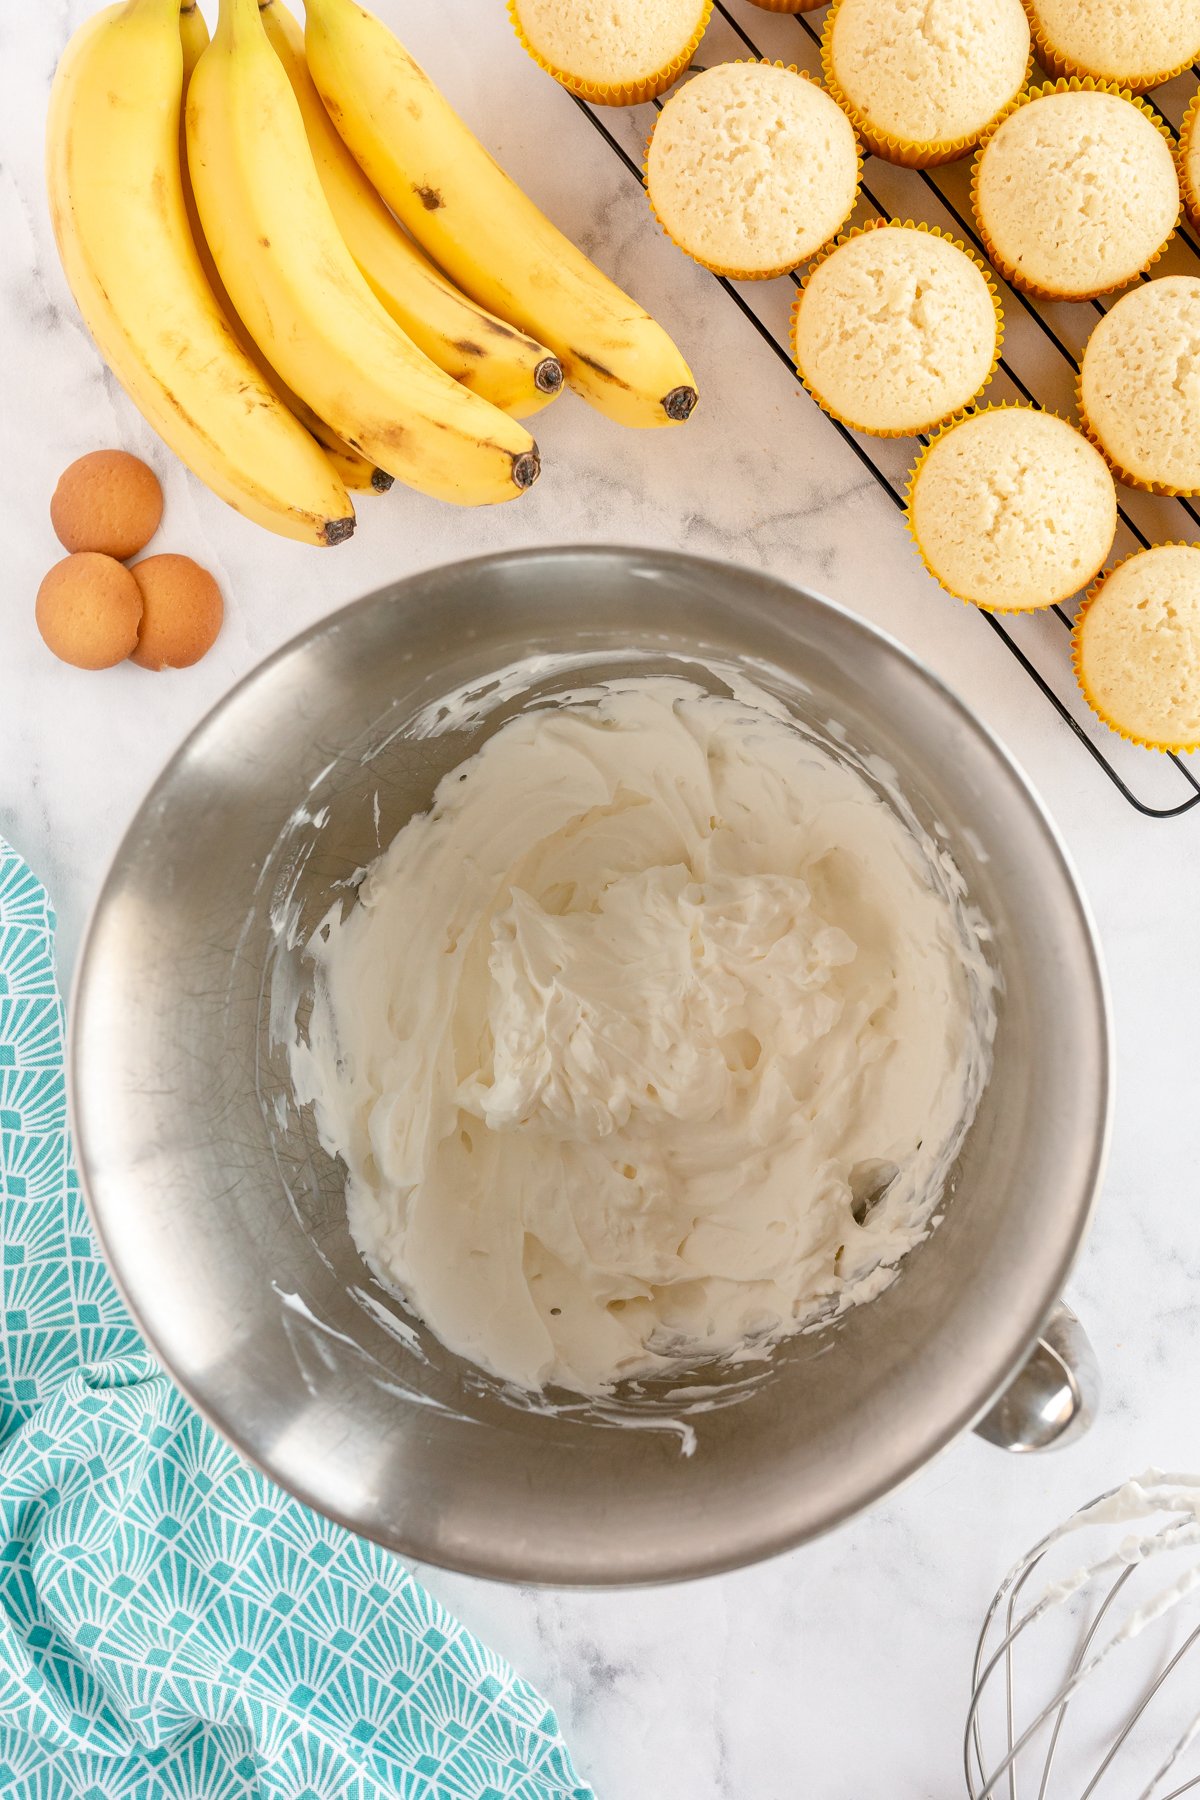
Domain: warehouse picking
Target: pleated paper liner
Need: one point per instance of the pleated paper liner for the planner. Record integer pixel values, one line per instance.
(617, 93)
(909, 153)
(1058, 63)
(1074, 84)
(742, 274)
(914, 474)
(956, 413)
(1184, 159)
(1123, 475)
(1167, 747)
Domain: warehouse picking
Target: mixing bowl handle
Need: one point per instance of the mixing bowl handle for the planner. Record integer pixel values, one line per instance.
(1054, 1397)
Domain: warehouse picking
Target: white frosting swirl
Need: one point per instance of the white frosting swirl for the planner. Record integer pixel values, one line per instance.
(622, 1029)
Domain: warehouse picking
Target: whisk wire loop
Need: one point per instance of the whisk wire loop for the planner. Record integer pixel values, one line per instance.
(1149, 1497)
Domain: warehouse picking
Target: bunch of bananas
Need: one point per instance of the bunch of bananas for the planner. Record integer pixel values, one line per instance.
(310, 276)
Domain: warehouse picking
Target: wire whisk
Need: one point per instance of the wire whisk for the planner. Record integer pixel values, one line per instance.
(1110, 1642)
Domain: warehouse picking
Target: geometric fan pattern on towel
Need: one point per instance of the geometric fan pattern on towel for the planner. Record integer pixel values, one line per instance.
(172, 1625)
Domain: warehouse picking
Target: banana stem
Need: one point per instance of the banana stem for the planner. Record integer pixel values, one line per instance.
(237, 18)
(157, 9)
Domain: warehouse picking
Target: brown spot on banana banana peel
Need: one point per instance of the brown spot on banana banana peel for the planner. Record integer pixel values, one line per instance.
(390, 436)
(500, 328)
(467, 347)
(589, 362)
(429, 197)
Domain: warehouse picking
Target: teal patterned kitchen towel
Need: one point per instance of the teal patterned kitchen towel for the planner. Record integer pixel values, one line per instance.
(172, 1626)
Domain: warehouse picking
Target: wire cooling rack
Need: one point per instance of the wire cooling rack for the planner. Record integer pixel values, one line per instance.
(1041, 349)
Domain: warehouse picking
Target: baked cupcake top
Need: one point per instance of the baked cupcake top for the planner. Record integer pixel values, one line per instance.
(896, 329)
(609, 44)
(1139, 384)
(1135, 42)
(1012, 509)
(922, 75)
(1137, 647)
(1075, 191)
(752, 167)
(1189, 157)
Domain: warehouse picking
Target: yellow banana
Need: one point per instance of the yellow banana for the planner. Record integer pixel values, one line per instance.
(356, 472)
(116, 202)
(301, 296)
(480, 228)
(483, 352)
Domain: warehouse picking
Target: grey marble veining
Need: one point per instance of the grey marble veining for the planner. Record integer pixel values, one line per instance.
(839, 1672)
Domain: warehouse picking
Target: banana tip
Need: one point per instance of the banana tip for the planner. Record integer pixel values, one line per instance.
(526, 468)
(678, 404)
(548, 376)
(338, 530)
(381, 481)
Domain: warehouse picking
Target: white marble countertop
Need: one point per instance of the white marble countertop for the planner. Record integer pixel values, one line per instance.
(841, 1670)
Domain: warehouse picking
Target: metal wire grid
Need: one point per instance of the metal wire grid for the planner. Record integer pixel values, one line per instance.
(1038, 336)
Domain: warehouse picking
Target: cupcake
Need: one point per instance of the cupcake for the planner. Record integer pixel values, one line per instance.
(752, 168)
(1189, 159)
(1137, 43)
(1139, 386)
(921, 92)
(1136, 647)
(896, 329)
(1075, 191)
(1012, 509)
(614, 52)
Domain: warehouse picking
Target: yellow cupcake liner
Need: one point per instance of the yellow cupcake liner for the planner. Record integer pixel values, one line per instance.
(1187, 132)
(907, 153)
(1072, 84)
(914, 475)
(732, 274)
(1123, 475)
(1058, 63)
(621, 93)
(1174, 748)
(944, 419)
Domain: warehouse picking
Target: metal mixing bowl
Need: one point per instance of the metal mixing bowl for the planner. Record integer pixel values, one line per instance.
(224, 1220)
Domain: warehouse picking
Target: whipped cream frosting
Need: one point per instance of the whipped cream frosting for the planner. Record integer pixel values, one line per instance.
(654, 1039)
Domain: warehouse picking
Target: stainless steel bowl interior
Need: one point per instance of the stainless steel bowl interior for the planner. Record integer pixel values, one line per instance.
(224, 1220)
